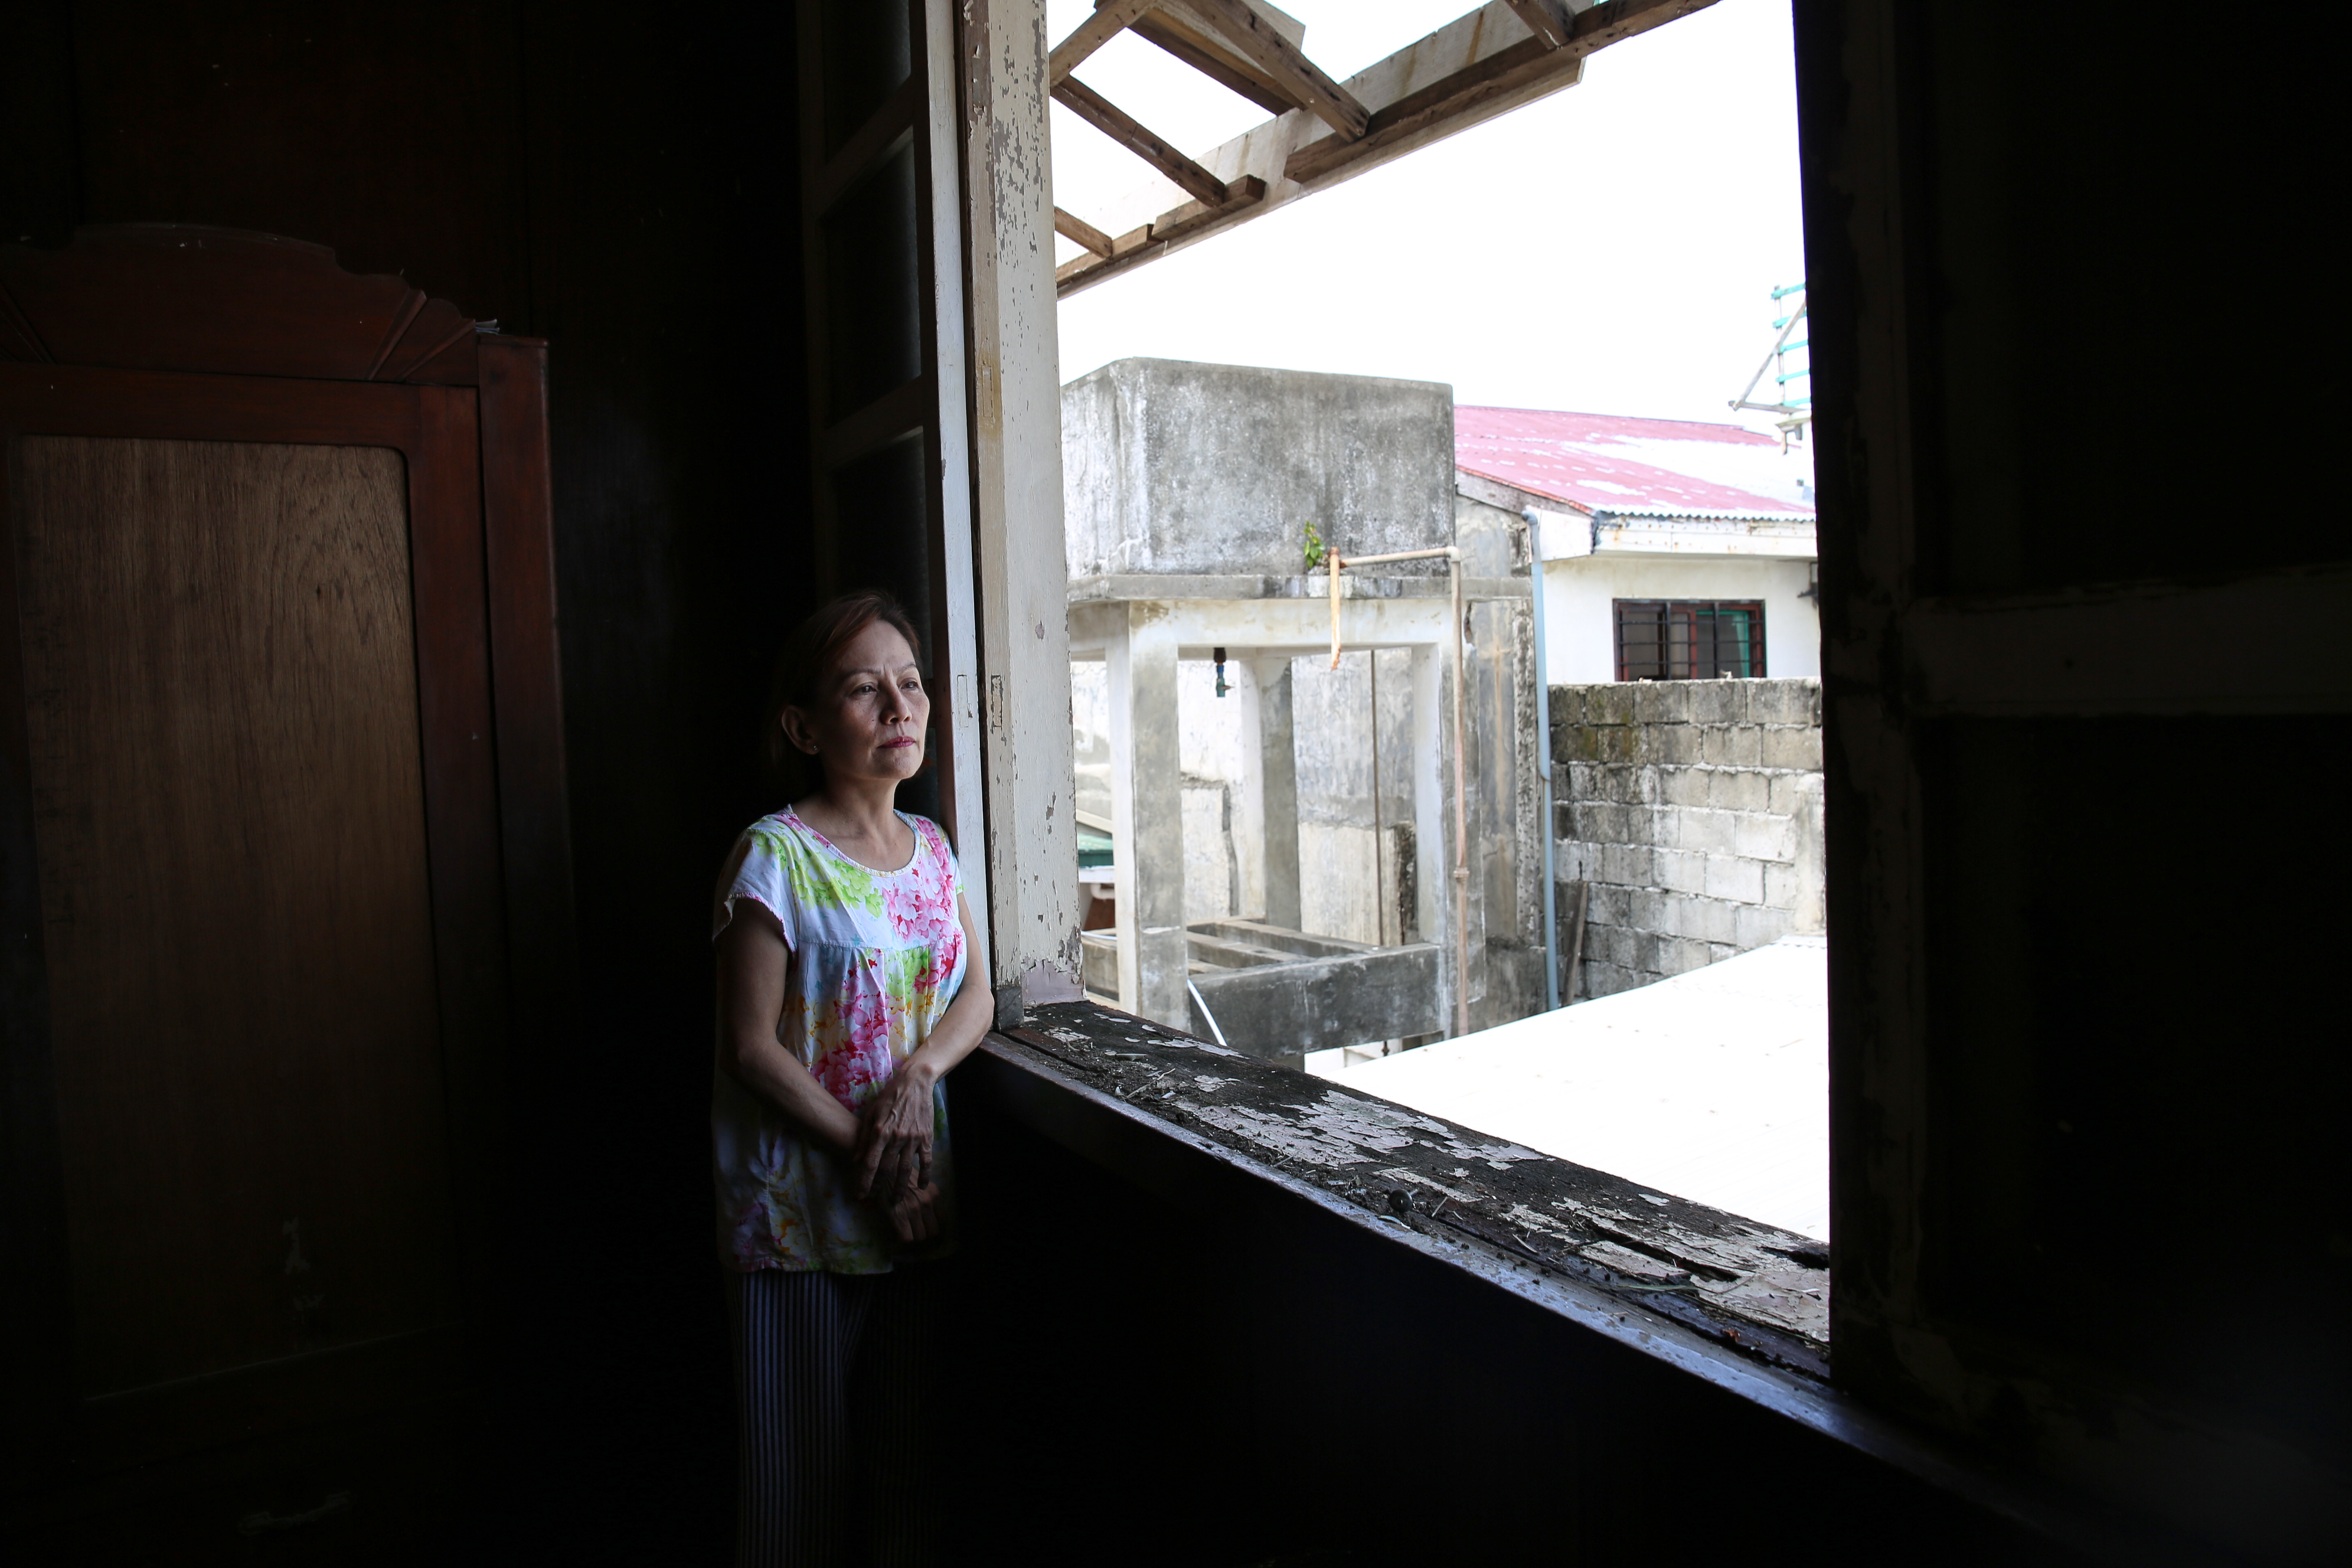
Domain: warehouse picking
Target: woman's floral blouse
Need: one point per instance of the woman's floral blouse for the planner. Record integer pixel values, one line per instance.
(876, 956)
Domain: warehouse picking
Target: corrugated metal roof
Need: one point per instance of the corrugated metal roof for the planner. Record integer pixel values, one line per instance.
(1616, 463)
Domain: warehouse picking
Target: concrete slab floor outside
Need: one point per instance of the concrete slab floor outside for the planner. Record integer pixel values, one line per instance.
(1712, 1085)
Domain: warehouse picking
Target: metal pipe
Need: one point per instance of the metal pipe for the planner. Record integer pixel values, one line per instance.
(1543, 760)
(1379, 858)
(1445, 550)
(1461, 814)
(1335, 565)
(1203, 1002)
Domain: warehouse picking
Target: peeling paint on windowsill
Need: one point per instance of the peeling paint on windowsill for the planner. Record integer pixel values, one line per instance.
(1745, 1286)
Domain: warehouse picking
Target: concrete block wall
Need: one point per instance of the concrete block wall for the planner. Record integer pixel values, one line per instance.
(1694, 810)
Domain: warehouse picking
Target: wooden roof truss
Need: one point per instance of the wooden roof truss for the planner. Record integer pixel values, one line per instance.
(1482, 64)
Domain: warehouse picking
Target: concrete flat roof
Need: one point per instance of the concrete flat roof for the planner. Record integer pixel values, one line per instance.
(1712, 1085)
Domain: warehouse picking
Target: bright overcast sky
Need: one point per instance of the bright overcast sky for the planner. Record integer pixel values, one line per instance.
(1610, 248)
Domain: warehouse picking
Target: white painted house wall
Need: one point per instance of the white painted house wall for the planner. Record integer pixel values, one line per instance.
(1631, 508)
(1581, 633)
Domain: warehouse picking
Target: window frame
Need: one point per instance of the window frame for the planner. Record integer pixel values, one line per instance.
(1670, 612)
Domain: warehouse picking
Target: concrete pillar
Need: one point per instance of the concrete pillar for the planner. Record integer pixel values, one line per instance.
(1278, 790)
(1147, 816)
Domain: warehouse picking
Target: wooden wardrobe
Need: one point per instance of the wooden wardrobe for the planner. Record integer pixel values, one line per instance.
(283, 852)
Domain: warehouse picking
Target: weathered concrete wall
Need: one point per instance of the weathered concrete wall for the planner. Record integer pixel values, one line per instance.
(1694, 809)
(1353, 875)
(1341, 839)
(1214, 469)
(1506, 953)
(1191, 485)
(1333, 766)
(1217, 745)
(1281, 996)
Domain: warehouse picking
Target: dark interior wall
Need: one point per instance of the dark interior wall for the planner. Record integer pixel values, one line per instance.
(2101, 1093)
(622, 181)
(2120, 305)
(2119, 297)
(2064, 336)
(401, 142)
(665, 268)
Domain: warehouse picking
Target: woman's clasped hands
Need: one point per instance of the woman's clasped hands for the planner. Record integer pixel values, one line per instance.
(892, 1156)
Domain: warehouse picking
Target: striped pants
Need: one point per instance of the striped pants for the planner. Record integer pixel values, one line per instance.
(830, 1374)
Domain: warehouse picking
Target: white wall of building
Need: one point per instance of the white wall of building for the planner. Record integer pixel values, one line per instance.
(1581, 633)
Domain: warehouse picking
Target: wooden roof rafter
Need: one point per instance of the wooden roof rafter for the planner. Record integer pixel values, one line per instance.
(1252, 35)
(1084, 233)
(1110, 18)
(1494, 59)
(1206, 54)
(1121, 127)
(1550, 20)
(1232, 43)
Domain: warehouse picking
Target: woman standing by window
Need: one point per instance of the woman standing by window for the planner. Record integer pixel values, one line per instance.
(843, 942)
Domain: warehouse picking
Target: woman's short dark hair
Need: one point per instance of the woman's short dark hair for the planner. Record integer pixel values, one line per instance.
(808, 653)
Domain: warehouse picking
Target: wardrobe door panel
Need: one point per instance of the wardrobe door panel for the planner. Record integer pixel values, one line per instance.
(223, 721)
(280, 736)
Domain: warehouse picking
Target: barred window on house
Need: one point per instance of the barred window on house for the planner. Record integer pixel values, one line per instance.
(1707, 639)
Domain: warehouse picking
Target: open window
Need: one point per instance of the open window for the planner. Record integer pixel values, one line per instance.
(1259, 638)
(1306, 693)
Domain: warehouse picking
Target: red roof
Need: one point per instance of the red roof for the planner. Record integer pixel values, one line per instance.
(1616, 463)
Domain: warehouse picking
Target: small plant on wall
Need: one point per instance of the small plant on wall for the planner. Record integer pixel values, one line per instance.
(1315, 548)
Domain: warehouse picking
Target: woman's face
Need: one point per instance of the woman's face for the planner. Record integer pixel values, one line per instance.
(867, 717)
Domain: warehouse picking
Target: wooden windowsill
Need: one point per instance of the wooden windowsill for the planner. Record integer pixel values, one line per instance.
(1205, 1127)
